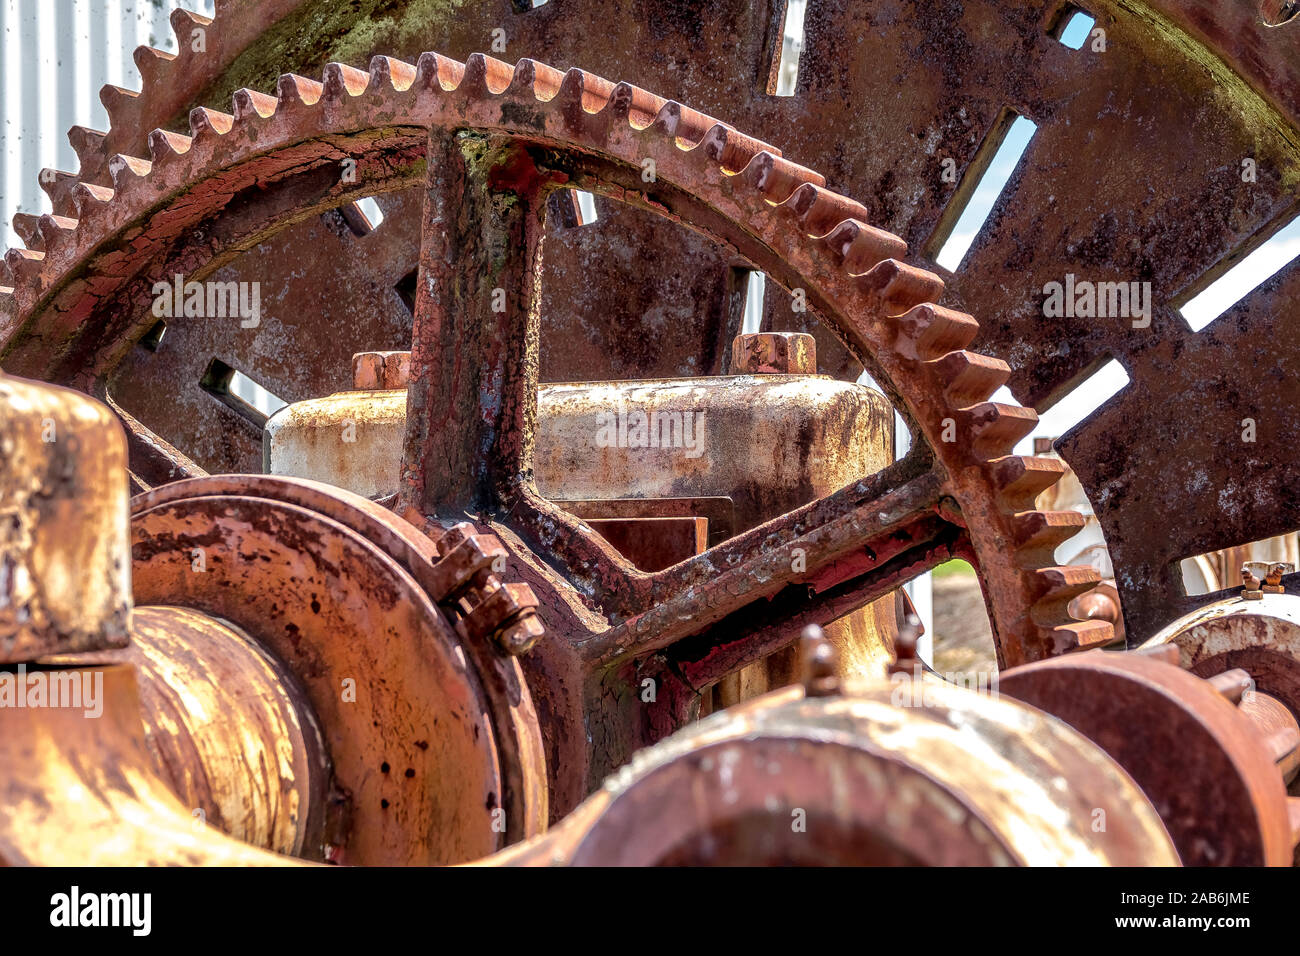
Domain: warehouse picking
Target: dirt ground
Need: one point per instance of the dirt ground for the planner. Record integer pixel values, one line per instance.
(963, 641)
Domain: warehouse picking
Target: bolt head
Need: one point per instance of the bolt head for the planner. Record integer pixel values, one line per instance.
(375, 371)
(774, 353)
(522, 635)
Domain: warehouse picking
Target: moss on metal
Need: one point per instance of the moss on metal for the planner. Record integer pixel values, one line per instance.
(326, 31)
(1273, 138)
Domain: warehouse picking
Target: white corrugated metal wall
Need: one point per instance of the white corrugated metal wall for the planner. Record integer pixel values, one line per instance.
(54, 57)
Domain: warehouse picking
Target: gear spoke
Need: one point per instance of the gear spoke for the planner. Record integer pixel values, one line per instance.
(473, 400)
(153, 461)
(586, 560)
(846, 546)
(707, 657)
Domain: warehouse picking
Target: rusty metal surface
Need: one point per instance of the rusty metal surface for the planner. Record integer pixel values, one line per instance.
(1059, 91)
(1213, 85)
(510, 708)
(349, 439)
(504, 137)
(950, 777)
(276, 600)
(1202, 764)
(416, 774)
(774, 353)
(301, 348)
(1260, 636)
(63, 809)
(1278, 727)
(62, 467)
(770, 443)
(229, 730)
(373, 371)
(718, 513)
(895, 146)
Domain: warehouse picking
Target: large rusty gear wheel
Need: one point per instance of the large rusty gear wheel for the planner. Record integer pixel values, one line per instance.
(77, 307)
(1133, 175)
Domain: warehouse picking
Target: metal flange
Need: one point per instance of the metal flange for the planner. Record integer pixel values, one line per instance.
(409, 729)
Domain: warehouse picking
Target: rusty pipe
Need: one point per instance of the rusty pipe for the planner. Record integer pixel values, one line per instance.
(913, 771)
(82, 790)
(1277, 728)
(229, 730)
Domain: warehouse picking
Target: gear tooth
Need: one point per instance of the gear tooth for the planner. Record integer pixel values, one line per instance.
(88, 144)
(87, 199)
(294, 90)
(668, 119)
(204, 121)
(1057, 587)
(435, 70)
(388, 74)
(250, 104)
(685, 125)
(995, 428)
(342, 81)
(24, 265)
(573, 90)
(1020, 479)
(485, 74)
(731, 150)
(163, 145)
(523, 79)
(860, 247)
(187, 27)
(1038, 533)
(183, 23)
(895, 287)
(633, 105)
(572, 87)
(58, 185)
(819, 210)
(151, 63)
(55, 231)
(1074, 636)
(28, 228)
(971, 377)
(777, 178)
(126, 170)
(119, 102)
(475, 76)
(930, 331)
